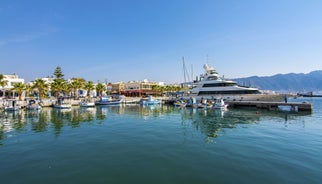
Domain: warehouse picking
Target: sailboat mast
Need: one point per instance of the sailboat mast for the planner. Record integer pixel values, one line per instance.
(184, 70)
(191, 73)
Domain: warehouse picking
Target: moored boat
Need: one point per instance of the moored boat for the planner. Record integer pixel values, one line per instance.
(151, 101)
(33, 105)
(87, 103)
(220, 104)
(61, 104)
(11, 105)
(211, 86)
(180, 103)
(204, 103)
(108, 101)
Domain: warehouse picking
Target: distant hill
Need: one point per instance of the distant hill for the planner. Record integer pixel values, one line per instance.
(286, 82)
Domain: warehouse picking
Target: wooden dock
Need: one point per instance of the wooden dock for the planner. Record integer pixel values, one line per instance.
(292, 106)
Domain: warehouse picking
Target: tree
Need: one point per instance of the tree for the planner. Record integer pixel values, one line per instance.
(100, 88)
(57, 86)
(19, 88)
(156, 89)
(41, 86)
(67, 89)
(89, 85)
(58, 73)
(28, 89)
(76, 84)
(3, 82)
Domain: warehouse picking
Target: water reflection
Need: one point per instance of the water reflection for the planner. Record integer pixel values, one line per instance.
(212, 122)
(208, 122)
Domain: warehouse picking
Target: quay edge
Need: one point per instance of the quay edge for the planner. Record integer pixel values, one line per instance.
(294, 106)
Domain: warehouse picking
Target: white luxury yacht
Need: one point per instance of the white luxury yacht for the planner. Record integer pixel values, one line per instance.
(211, 86)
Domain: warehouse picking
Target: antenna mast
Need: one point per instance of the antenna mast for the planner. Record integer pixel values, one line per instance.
(184, 70)
(191, 73)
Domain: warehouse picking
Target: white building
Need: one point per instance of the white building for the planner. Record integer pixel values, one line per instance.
(140, 88)
(11, 80)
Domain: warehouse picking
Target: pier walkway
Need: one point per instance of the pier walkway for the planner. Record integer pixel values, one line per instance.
(293, 106)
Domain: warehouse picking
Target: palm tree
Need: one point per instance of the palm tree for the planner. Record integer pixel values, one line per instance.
(19, 88)
(162, 89)
(67, 89)
(100, 87)
(3, 82)
(89, 85)
(41, 86)
(76, 84)
(57, 86)
(28, 89)
(156, 89)
(178, 88)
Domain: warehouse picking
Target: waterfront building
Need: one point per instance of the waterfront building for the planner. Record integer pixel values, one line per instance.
(140, 88)
(109, 88)
(47, 80)
(118, 87)
(5, 91)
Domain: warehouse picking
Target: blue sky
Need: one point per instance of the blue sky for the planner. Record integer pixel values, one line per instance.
(122, 40)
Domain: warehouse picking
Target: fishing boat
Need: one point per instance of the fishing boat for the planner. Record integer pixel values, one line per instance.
(220, 104)
(211, 86)
(87, 103)
(180, 103)
(150, 101)
(11, 105)
(33, 105)
(108, 100)
(204, 103)
(192, 102)
(61, 104)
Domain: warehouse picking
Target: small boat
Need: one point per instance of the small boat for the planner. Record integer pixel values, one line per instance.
(131, 101)
(11, 105)
(205, 104)
(33, 105)
(61, 104)
(87, 103)
(108, 101)
(220, 104)
(150, 101)
(192, 102)
(180, 103)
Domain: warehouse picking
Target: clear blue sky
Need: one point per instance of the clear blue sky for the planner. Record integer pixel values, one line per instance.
(122, 40)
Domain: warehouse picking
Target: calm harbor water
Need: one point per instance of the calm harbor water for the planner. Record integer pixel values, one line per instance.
(161, 144)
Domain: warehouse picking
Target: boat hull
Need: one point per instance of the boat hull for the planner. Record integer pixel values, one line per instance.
(11, 109)
(34, 107)
(87, 104)
(118, 102)
(151, 102)
(245, 97)
(63, 106)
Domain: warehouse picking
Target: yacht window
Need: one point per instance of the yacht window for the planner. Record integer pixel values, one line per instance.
(212, 78)
(229, 92)
(219, 84)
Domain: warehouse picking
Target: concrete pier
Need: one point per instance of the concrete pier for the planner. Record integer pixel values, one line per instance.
(293, 106)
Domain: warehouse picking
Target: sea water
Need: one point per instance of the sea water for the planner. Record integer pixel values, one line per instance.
(161, 144)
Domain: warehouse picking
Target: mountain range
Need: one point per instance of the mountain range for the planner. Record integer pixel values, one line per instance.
(291, 82)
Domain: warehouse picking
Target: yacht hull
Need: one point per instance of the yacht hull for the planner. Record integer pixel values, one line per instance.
(245, 97)
(211, 86)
